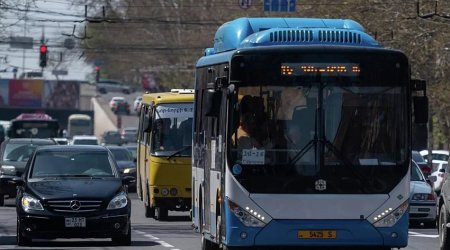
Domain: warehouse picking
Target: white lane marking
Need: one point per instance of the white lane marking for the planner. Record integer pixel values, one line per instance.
(164, 244)
(423, 235)
(156, 239)
(7, 235)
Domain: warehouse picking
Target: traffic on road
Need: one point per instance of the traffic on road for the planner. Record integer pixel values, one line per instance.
(283, 132)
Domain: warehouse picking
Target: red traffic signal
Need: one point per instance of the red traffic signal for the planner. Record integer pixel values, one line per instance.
(43, 48)
(43, 55)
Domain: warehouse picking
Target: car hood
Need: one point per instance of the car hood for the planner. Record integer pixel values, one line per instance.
(20, 165)
(70, 188)
(126, 164)
(421, 187)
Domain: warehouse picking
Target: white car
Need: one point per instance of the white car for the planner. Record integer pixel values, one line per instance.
(84, 140)
(439, 170)
(137, 102)
(441, 155)
(422, 198)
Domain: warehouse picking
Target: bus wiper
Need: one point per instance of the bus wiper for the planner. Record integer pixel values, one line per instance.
(344, 159)
(302, 151)
(178, 151)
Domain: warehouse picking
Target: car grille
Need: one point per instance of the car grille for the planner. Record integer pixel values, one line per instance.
(74, 206)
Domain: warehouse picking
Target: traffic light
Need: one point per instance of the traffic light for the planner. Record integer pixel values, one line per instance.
(97, 73)
(43, 55)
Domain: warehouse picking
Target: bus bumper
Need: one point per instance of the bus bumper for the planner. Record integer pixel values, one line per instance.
(174, 203)
(351, 233)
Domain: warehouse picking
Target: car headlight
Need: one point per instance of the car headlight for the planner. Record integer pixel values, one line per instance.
(7, 169)
(30, 203)
(129, 170)
(119, 201)
(248, 217)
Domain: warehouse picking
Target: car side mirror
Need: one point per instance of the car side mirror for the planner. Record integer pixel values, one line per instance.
(432, 178)
(127, 180)
(442, 170)
(17, 181)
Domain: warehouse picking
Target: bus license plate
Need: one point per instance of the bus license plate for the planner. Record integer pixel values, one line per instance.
(316, 234)
(76, 222)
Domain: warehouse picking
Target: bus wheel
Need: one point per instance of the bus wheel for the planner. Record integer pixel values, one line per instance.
(161, 213)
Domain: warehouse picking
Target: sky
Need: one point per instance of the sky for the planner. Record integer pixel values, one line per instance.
(56, 19)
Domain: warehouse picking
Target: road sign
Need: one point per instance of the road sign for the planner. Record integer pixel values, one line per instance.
(280, 5)
(21, 42)
(245, 4)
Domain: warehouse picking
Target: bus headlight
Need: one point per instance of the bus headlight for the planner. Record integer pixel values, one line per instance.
(173, 191)
(389, 217)
(249, 218)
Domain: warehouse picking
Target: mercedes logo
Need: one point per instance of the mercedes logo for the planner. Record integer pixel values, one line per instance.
(75, 205)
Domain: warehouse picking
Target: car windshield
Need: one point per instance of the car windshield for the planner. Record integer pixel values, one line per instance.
(19, 152)
(416, 174)
(121, 154)
(72, 164)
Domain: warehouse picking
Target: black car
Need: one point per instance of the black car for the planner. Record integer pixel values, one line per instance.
(125, 162)
(72, 191)
(14, 154)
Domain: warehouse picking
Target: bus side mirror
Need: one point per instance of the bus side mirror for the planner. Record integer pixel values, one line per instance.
(420, 109)
(213, 100)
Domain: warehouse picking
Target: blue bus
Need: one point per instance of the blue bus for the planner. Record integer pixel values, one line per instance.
(302, 136)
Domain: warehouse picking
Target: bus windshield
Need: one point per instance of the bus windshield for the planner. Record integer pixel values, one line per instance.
(172, 130)
(329, 130)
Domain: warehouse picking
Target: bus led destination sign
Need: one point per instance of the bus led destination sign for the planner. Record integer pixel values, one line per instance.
(327, 69)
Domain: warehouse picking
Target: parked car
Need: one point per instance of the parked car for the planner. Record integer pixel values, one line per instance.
(423, 164)
(422, 198)
(118, 104)
(84, 140)
(129, 134)
(439, 171)
(73, 192)
(105, 86)
(112, 137)
(137, 102)
(125, 162)
(14, 154)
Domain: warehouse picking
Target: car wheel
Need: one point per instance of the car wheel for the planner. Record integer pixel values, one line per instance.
(444, 240)
(123, 240)
(161, 213)
(2, 200)
(21, 240)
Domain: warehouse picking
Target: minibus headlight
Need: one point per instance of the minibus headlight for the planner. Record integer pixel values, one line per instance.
(165, 191)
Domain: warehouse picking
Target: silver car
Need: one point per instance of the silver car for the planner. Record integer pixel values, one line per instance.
(422, 198)
(105, 86)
